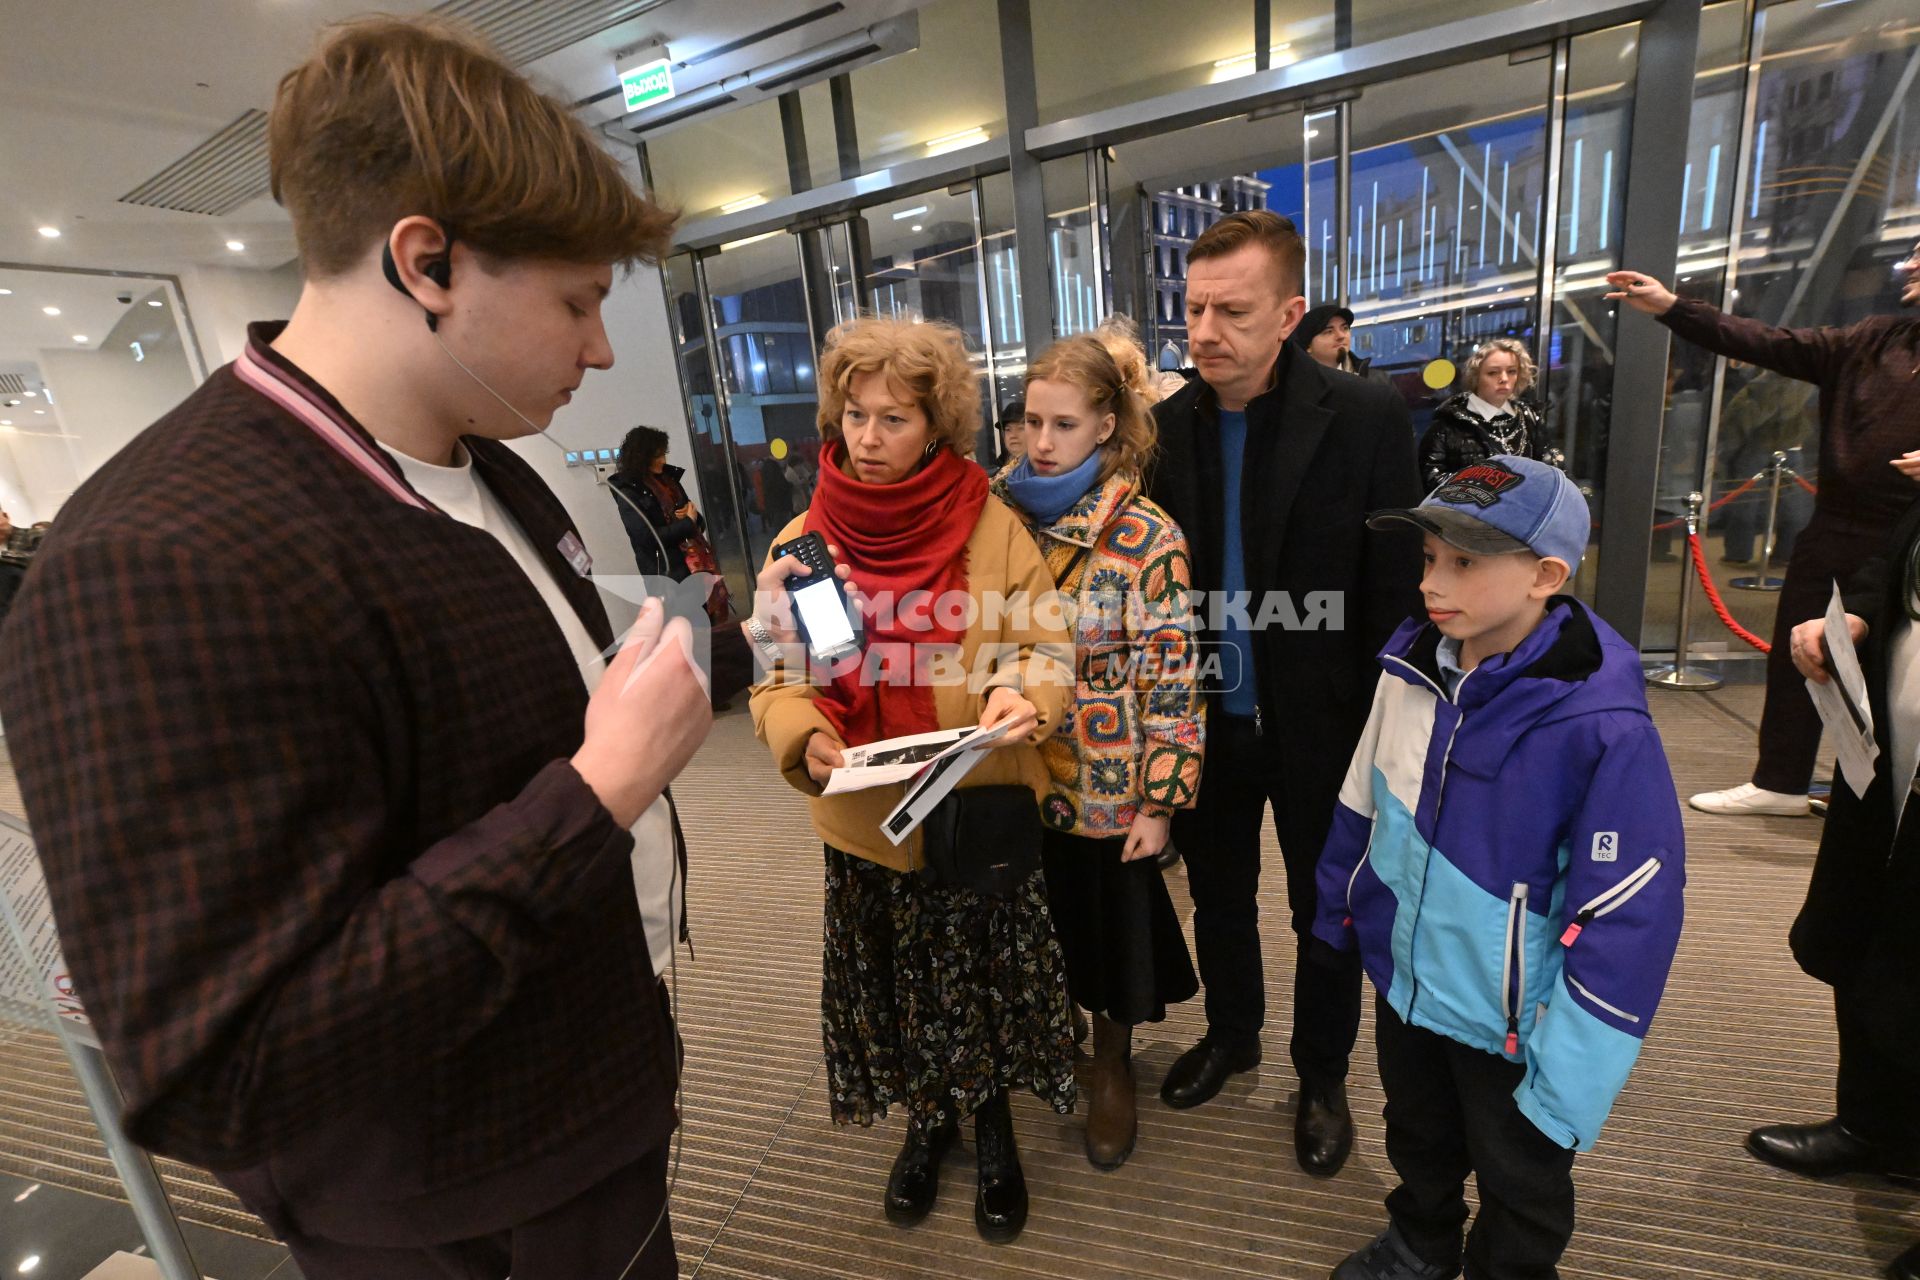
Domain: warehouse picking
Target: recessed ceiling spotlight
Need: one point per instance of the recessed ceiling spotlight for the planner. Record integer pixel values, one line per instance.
(6, 422)
(51, 233)
(79, 337)
(235, 245)
(32, 394)
(41, 412)
(52, 311)
(155, 302)
(6, 293)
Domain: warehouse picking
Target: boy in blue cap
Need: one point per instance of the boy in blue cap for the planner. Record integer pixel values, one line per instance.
(1507, 856)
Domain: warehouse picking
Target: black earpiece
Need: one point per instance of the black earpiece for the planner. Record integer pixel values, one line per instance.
(440, 271)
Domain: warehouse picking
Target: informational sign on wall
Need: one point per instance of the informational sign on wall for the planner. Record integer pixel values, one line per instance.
(34, 981)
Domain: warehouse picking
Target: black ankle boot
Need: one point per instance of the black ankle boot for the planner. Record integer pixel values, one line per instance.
(1000, 1206)
(915, 1179)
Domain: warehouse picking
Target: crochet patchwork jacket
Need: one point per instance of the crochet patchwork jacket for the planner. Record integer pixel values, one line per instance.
(1134, 737)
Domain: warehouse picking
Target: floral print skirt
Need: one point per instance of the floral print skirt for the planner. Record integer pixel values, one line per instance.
(934, 998)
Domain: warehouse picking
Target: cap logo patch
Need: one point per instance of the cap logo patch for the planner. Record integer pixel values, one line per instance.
(1481, 484)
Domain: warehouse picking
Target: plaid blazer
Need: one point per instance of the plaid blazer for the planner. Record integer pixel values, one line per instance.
(295, 750)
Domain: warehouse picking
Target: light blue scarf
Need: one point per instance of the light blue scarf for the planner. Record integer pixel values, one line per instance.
(1047, 498)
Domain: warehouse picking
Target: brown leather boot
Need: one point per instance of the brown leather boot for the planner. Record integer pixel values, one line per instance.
(1112, 1122)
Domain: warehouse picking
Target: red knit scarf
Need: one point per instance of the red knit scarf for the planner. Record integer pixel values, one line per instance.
(903, 538)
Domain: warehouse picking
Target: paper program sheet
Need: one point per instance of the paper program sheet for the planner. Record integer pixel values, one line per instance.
(1842, 702)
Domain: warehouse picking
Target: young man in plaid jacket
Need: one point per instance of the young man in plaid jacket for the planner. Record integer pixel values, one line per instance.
(342, 823)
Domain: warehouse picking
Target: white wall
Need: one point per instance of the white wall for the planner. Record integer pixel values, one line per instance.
(15, 500)
(642, 387)
(47, 473)
(105, 397)
(224, 300)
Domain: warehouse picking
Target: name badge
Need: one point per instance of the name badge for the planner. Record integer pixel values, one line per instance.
(575, 554)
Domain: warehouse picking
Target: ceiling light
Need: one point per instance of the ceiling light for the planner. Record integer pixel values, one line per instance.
(155, 302)
(6, 293)
(32, 394)
(235, 245)
(764, 235)
(6, 422)
(753, 201)
(51, 233)
(914, 212)
(916, 226)
(79, 337)
(24, 1194)
(29, 1262)
(52, 311)
(955, 141)
(41, 412)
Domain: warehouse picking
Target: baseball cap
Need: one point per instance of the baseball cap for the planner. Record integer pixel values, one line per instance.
(1316, 321)
(1500, 506)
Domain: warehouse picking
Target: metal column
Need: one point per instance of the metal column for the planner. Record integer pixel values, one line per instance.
(1343, 200)
(1656, 157)
(1548, 248)
(1029, 196)
(717, 371)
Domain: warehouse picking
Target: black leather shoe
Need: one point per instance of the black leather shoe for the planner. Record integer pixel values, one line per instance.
(1817, 1150)
(1322, 1129)
(915, 1179)
(1199, 1073)
(1000, 1206)
(1906, 1266)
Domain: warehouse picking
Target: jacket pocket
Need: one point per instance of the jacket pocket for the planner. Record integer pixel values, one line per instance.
(1612, 900)
(1513, 970)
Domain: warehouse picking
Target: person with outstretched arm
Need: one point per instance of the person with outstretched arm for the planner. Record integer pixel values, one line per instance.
(1869, 474)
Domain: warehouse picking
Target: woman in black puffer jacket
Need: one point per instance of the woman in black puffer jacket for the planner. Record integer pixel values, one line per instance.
(1486, 419)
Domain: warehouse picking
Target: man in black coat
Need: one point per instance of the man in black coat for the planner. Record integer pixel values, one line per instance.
(1271, 462)
(1855, 932)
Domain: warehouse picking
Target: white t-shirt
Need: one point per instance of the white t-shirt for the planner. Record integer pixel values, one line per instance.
(457, 490)
(1903, 706)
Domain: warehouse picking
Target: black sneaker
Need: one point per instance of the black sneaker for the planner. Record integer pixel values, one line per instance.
(1389, 1258)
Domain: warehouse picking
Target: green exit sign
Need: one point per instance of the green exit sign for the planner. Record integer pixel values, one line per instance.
(647, 84)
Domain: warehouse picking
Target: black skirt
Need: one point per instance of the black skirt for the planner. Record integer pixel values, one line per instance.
(1126, 956)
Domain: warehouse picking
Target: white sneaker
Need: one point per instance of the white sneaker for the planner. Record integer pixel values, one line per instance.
(1747, 800)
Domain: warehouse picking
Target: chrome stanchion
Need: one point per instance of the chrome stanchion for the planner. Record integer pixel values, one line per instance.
(1762, 581)
(1679, 675)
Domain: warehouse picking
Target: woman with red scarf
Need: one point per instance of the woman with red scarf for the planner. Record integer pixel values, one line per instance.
(935, 997)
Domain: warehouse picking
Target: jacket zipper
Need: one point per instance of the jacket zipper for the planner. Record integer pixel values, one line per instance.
(1618, 1013)
(1355, 877)
(1611, 900)
(1413, 986)
(1513, 995)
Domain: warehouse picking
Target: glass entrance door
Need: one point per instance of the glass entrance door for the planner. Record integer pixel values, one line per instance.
(747, 319)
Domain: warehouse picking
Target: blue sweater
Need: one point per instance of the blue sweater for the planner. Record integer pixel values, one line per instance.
(1242, 697)
(1509, 860)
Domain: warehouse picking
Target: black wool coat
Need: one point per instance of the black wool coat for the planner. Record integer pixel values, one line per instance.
(1856, 929)
(1324, 449)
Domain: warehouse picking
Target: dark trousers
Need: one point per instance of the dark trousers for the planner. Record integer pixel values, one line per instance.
(591, 1237)
(1451, 1112)
(1789, 726)
(1878, 1093)
(1220, 840)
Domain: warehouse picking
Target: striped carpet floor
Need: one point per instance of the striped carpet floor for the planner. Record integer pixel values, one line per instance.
(768, 1188)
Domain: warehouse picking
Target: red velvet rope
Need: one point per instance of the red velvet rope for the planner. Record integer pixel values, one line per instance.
(1713, 596)
(1718, 503)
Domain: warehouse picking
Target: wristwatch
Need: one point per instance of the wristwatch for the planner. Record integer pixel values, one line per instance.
(763, 640)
